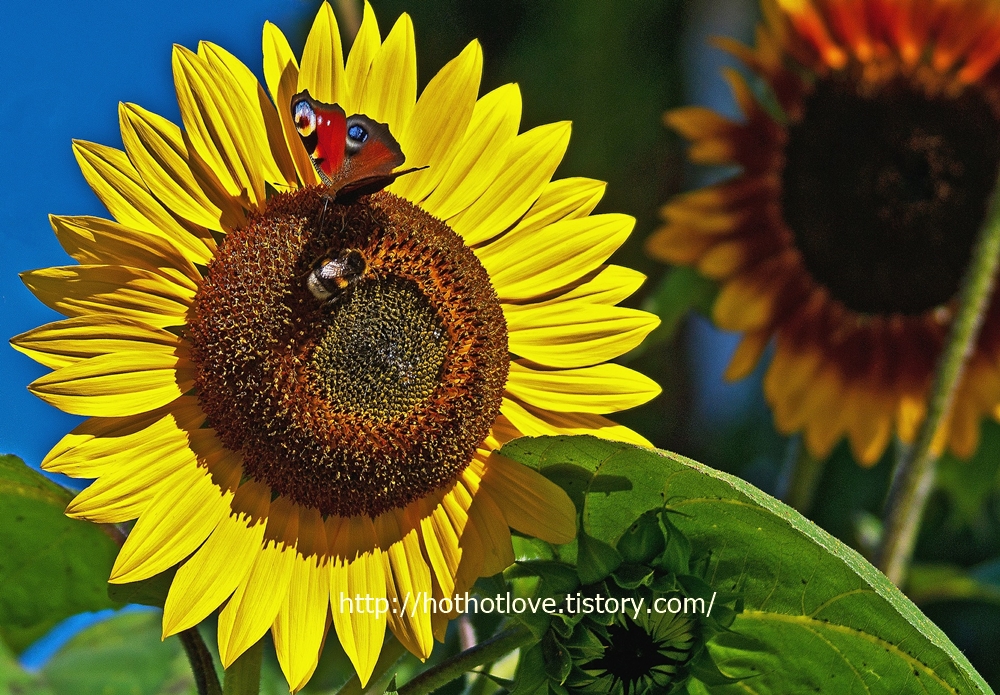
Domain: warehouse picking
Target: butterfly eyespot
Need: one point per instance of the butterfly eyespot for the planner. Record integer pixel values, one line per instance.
(358, 133)
(305, 118)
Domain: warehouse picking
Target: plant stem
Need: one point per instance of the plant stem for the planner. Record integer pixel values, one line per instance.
(801, 476)
(484, 652)
(243, 675)
(392, 652)
(913, 478)
(202, 665)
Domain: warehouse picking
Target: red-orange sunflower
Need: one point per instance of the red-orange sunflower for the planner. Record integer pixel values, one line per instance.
(846, 233)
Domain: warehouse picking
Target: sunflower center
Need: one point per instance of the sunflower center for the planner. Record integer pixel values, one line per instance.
(383, 349)
(885, 187)
(355, 355)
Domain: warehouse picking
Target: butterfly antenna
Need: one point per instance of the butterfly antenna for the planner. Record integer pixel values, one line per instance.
(322, 215)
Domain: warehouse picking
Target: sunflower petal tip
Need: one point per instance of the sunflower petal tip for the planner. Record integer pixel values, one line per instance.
(116, 573)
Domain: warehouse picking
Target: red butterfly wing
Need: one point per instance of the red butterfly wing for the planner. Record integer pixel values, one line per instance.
(353, 155)
(323, 131)
(371, 149)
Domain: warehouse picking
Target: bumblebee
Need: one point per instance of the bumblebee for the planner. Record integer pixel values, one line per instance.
(330, 277)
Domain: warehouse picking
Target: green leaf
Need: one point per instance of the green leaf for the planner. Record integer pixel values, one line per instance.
(51, 566)
(531, 676)
(821, 618)
(557, 660)
(120, 656)
(556, 577)
(643, 540)
(595, 559)
(14, 680)
(148, 592)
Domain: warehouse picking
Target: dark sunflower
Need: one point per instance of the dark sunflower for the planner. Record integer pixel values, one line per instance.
(640, 656)
(846, 233)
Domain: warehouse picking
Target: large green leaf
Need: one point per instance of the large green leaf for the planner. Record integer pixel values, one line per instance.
(120, 656)
(825, 620)
(14, 680)
(51, 566)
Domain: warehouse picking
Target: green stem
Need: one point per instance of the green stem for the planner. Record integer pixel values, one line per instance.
(913, 478)
(243, 675)
(202, 665)
(392, 652)
(482, 680)
(803, 477)
(485, 652)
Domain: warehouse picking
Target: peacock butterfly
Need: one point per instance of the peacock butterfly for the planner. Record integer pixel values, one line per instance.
(353, 155)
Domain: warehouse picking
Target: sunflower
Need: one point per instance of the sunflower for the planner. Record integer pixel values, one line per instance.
(865, 165)
(286, 452)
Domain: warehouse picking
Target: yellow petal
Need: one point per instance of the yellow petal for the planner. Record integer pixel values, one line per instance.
(156, 148)
(823, 412)
(209, 106)
(257, 600)
(411, 577)
(281, 72)
(358, 572)
(531, 503)
(97, 438)
(323, 60)
(257, 113)
(120, 187)
(531, 161)
(116, 290)
(186, 510)
(118, 384)
(135, 477)
(537, 422)
(565, 252)
(563, 199)
(366, 45)
(441, 543)
(610, 285)
(748, 354)
(96, 241)
(869, 424)
(66, 342)
(482, 154)
(963, 428)
(212, 574)
(747, 301)
(575, 333)
(390, 91)
(300, 626)
(440, 120)
(603, 388)
(494, 534)
(473, 552)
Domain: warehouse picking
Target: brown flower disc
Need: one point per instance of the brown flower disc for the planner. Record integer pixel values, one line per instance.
(886, 184)
(364, 401)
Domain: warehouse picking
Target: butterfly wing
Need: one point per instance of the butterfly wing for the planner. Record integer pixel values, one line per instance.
(354, 155)
(323, 131)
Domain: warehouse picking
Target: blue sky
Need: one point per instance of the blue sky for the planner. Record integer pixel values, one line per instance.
(67, 65)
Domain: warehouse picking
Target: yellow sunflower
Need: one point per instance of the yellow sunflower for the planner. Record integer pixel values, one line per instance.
(864, 178)
(285, 452)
